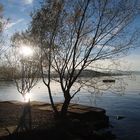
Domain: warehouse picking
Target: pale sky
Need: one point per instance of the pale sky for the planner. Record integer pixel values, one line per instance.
(19, 13)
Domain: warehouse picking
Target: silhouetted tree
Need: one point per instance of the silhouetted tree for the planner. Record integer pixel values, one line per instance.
(21, 57)
(2, 24)
(73, 35)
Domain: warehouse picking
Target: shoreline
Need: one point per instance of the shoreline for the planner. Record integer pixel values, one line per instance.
(10, 112)
(42, 115)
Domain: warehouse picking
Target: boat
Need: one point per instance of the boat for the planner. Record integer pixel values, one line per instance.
(108, 80)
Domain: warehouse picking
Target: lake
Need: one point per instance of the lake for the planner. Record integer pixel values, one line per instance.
(125, 103)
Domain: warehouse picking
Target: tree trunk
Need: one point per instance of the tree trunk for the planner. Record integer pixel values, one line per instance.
(65, 106)
(52, 103)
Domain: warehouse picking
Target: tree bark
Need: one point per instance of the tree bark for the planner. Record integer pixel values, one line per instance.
(65, 106)
(52, 103)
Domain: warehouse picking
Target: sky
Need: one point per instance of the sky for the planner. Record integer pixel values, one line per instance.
(18, 11)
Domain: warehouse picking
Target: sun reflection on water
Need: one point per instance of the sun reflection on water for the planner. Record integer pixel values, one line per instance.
(27, 97)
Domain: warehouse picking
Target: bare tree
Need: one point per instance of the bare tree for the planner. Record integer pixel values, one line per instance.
(75, 34)
(25, 74)
(6, 72)
(2, 24)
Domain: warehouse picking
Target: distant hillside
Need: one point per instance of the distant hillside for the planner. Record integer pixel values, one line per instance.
(136, 72)
(126, 72)
(89, 73)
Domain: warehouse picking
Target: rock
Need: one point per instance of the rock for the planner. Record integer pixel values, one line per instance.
(95, 116)
(120, 117)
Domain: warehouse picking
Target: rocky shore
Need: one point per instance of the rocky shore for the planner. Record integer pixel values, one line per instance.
(83, 122)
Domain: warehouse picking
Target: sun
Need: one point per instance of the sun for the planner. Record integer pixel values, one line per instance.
(27, 97)
(26, 51)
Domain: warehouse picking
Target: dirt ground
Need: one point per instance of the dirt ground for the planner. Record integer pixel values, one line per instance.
(84, 122)
(10, 113)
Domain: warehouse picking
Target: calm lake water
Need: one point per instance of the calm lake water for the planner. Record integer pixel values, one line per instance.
(125, 103)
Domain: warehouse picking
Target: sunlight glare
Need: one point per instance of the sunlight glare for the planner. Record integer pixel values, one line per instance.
(27, 97)
(26, 51)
